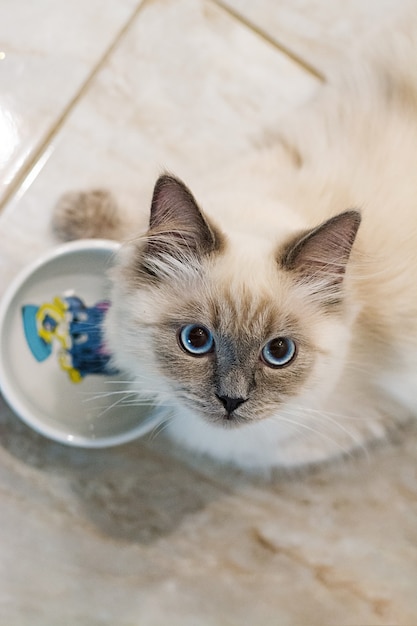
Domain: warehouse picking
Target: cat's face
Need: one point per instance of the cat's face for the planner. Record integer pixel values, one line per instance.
(233, 355)
(233, 329)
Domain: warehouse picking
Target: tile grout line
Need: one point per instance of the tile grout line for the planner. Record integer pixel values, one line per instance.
(273, 42)
(60, 120)
(43, 144)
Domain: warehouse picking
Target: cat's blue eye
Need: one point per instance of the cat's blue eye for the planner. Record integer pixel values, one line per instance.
(196, 339)
(278, 352)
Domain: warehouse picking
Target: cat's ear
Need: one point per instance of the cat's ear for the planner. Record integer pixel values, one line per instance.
(177, 227)
(319, 256)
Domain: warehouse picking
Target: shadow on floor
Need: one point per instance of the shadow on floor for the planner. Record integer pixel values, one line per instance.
(130, 492)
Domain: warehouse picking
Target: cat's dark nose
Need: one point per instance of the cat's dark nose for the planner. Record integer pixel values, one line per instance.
(230, 404)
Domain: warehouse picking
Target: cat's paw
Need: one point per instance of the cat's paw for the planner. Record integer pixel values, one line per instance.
(85, 214)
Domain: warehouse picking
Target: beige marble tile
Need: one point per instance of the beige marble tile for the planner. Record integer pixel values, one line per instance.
(47, 51)
(318, 32)
(188, 89)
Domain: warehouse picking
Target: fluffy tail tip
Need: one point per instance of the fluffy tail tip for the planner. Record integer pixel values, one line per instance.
(85, 214)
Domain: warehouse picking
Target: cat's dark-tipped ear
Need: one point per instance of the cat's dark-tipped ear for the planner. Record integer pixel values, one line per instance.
(176, 221)
(320, 255)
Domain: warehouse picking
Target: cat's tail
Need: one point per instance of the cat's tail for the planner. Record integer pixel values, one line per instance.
(85, 214)
(368, 107)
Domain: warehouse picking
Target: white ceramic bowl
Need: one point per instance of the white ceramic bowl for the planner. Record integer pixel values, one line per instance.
(87, 413)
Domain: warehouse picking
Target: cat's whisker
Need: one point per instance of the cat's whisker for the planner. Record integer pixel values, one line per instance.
(159, 428)
(297, 426)
(123, 395)
(110, 407)
(144, 402)
(106, 394)
(319, 412)
(316, 431)
(328, 424)
(117, 381)
(334, 421)
(311, 414)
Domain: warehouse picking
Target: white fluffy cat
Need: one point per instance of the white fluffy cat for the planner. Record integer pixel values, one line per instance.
(280, 324)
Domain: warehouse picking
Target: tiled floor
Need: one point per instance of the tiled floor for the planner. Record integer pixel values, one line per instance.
(111, 92)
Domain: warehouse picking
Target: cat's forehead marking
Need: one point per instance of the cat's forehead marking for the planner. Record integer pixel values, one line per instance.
(242, 311)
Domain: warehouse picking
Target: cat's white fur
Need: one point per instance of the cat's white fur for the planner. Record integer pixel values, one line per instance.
(354, 147)
(299, 434)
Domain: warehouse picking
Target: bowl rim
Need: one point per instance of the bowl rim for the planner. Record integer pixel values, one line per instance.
(6, 388)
